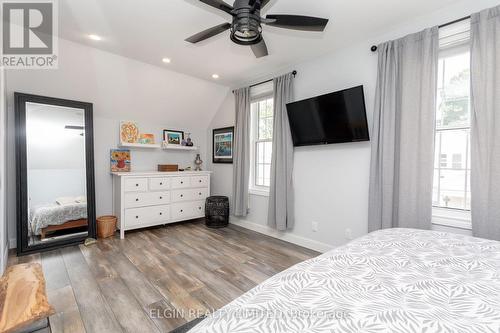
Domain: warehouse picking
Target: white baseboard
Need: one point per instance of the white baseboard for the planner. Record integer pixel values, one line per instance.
(12, 243)
(285, 236)
(5, 258)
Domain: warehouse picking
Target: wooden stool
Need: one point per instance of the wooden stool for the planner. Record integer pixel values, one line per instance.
(23, 299)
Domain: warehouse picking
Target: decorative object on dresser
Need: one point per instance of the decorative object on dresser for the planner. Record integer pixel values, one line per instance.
(173, 137)
(198, 162)
(217, 212)
(120, 160)
(168, 167)
(145, 199)
(223, 143)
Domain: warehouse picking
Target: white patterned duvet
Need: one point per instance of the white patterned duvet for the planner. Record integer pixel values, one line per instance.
(395, 280)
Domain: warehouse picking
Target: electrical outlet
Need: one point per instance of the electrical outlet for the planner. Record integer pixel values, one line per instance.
(348, 234)
(315, 226)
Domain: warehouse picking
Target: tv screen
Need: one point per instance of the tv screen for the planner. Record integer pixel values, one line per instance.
(333, 118)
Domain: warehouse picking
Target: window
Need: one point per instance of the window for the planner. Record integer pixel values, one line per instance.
(262, 138)
(451, 189)
(262, 116)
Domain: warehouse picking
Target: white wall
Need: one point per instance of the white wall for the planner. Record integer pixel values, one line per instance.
(120, 89)
(331, 182)
(3, 201)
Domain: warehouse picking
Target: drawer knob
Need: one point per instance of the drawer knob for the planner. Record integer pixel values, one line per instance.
(182, 210)
(137, 199)
(161, 213)
(199, 181)
(182, 195)
(161, 198)
(137, 217)
(182, 182)
(137, 185)
(199, 193)
(199, 208)
(161, 183)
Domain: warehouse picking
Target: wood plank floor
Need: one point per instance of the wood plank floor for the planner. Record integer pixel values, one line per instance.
(158, 279)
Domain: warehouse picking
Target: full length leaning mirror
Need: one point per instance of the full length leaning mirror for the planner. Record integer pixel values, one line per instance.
(55, 172)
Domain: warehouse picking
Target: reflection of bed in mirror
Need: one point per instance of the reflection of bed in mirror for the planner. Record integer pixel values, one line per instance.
(55, 146)
(49, 218)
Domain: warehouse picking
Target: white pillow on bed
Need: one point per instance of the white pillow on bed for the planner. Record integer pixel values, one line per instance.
(81, 199)
(65, 201)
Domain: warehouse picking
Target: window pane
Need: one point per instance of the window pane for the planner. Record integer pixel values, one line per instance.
(265, 120)
(267, 174)
(453, 92)
(268, 152)
(454, 147)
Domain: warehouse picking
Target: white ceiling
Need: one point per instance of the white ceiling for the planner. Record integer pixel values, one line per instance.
(148, 30)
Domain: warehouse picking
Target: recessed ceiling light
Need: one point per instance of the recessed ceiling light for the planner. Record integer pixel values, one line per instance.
(95, 37)
(215, 76)
(166, 60)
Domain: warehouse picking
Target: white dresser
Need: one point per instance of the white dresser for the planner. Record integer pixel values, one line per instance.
(145, 199)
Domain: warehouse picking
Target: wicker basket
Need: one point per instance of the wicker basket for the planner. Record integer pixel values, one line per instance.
(106, 226)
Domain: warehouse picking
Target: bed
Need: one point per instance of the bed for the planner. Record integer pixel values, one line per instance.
(46, 218)
(395, 280)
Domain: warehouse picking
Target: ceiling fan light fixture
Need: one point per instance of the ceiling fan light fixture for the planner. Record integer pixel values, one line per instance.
(246, 32)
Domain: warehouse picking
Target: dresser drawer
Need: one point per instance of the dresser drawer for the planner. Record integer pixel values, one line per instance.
(180, 182)
(159, 184)
(136, 184)
(182, 195)
(189, 194)
(199, 193)
(142, 199)
(199, 181)
(186, 210)
(146, 215)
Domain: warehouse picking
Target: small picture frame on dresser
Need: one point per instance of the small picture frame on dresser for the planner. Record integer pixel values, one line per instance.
(223, 145)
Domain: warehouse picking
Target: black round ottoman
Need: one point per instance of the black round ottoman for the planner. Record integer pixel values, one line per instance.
(217, 212)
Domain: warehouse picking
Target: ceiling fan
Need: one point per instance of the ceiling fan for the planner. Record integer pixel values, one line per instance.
(246, 27)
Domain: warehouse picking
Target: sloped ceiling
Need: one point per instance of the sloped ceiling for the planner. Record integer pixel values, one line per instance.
(148, 30)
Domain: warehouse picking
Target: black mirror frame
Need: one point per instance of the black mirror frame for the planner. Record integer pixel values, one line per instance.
(20, 99)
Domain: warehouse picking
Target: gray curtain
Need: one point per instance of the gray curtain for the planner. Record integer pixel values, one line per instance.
(241, 153)
(485, 124)
(281, 213)
(403, 133)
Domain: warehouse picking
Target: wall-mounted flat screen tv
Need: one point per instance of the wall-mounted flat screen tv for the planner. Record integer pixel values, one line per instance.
(332, 118)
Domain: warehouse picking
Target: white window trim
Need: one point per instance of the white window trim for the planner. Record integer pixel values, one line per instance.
(454, 39)
(252, 188)
(454, 218)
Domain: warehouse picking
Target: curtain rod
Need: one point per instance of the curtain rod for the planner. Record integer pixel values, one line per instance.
(294, 73)
(374, 48)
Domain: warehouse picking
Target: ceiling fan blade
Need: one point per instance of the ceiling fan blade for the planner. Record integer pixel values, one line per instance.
(260, 49)
(208, 33)
(219, 4)
(297, 22)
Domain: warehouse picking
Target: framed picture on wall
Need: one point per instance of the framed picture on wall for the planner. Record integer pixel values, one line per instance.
(173, 137)
(223, 145)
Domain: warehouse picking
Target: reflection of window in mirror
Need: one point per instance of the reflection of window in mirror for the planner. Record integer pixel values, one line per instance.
(56, 173)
